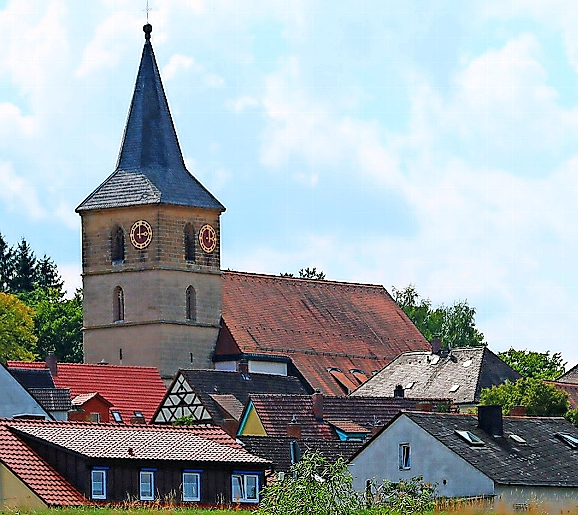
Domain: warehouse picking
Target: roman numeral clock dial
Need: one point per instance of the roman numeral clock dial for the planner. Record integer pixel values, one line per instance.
(141, 234)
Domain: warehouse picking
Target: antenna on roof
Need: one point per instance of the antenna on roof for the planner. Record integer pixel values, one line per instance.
(147, 10)
(148, 28)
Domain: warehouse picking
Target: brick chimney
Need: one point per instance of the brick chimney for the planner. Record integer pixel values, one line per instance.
(398, 391)
(294, 429)
(317, 399)
(490, 420)
(244, 367)
(52, 363)
(518, 411)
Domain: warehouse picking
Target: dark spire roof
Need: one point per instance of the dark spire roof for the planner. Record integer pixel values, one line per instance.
(150, 167)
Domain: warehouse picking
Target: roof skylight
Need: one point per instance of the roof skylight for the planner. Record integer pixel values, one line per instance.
(467, 363)
(454, 388)
(517, 438)
(471, 438)
(570, 440)
(409, 385)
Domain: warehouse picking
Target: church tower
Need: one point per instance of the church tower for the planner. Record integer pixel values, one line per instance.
(151, 246)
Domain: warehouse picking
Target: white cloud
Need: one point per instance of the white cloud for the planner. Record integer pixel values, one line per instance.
(213, 80)
(70, 273)
(18, 194)
(176, 64)
(13, 123)
(242, 103)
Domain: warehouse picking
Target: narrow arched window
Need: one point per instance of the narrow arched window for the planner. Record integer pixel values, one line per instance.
(117, 245)
(191, 303)
(118, 304)
(189, 243)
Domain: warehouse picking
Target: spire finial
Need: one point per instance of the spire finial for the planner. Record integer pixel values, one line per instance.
(148, 28)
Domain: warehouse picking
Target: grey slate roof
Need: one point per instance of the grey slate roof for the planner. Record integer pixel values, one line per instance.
(150, 167)
(472, 368)
(212, 385)
(277, 449)
(569, 377)
(33, 378)
(52, 399)
(544, 460)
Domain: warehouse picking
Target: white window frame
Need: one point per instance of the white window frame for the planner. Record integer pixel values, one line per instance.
(404, 456)
(147, 474)
(94, 475)
(192, 474)
(242, 479)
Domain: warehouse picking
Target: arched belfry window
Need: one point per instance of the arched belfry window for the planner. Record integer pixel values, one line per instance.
(118, 304)
(191, 296)
(117, 245)
(189, 243)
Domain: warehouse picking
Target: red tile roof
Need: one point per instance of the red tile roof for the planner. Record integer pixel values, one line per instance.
(32, 470)
(570, 388)
(129, 389)
(277, 411)
(112, 441)
(318, 324)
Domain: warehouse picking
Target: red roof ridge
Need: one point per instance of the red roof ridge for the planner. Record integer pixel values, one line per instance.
(301, 280)
(15, 364)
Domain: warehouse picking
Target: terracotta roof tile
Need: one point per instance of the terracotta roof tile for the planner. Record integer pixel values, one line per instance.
(111, 441)
(40, 477)
(570, 388)
(344, 325)
(277, 411)
(129, 389)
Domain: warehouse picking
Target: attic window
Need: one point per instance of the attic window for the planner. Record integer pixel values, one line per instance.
(138, 414)
(116, 416)
(471, 438)
(409, 385)
(454, 388)
(569, 440)
(467, 363)
(434, 359)
(517, 438)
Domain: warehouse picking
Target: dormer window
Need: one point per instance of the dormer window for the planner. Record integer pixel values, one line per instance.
(117, 246)
(189, 241)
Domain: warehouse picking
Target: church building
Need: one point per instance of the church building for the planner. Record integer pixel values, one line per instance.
(155, 295)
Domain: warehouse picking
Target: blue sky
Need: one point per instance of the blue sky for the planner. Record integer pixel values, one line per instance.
(433, 143)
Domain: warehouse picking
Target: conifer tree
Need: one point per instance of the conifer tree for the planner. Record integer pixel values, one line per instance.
(25, 263)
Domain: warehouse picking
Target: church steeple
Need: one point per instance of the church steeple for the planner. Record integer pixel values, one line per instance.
(150, 167)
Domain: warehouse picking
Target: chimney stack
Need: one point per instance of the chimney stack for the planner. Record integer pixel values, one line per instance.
(490, 420)
(317, 399)
(436, 346)
(52, 363)
(398, 391)
(244, 367)
(294, 429)
(518, 411)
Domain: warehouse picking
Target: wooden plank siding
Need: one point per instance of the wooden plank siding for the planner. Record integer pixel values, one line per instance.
(123, 475)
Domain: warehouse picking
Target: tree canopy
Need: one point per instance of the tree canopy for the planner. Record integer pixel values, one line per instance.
(539, 365)
(539, 399)
(307, 273)
(453, 325)
(17, 338)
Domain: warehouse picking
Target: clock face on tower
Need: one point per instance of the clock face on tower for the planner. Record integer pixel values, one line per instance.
(208, 238)
(141, 234)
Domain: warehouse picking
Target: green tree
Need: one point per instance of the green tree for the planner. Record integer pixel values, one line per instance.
(24, 276)
(47, 275)
(17, 339)
(539, 398)
(453, 325)
(313, 486)
(6, 265)
(307, 273)
(539, 365)
(57, 323)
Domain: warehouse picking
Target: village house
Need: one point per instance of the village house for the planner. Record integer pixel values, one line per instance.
(115, 463)
(218, 397)
(460, 374)
(125, 394)
(16, 400)
(516, 461)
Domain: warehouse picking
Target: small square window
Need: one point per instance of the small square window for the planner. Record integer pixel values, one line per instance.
(404, 456)
(191, 486)
(147, 485)
(116, 416)
(245, 487)
(98, 487)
